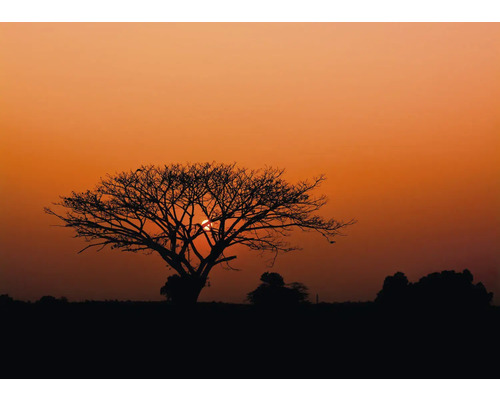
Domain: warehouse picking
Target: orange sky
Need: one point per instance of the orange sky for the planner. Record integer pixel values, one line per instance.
(402, 118)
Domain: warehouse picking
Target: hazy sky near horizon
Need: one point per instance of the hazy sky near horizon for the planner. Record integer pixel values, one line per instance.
(403, 119)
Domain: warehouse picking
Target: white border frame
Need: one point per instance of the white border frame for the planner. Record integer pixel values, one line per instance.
(249, 11)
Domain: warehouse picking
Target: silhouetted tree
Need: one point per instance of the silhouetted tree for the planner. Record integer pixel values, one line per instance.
(436, 291)
(395, 290)
(274, 292)
(191, 215)
(450, 289)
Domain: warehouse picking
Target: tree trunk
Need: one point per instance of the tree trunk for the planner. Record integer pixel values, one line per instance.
(185, 290)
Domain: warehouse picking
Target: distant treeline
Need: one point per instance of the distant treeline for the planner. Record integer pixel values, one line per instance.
(436, 291)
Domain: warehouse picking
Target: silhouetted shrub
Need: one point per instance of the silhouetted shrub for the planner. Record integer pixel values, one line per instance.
(182, 289)
(274, 292)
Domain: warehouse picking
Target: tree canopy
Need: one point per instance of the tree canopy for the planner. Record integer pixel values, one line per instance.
(191, 215)
(436, 291)
(274, 292)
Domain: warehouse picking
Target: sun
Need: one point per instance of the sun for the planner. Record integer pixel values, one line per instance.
(206, 225)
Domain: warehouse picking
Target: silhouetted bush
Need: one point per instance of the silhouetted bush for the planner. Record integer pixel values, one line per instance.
(436, 291)
(274, 292)
(182, 289)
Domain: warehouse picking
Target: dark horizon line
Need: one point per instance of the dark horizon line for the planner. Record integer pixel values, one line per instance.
(66, 301)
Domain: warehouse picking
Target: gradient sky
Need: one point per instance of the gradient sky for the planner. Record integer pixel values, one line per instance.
(403, 119)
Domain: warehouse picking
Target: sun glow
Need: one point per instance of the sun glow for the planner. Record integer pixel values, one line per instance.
(206, 225)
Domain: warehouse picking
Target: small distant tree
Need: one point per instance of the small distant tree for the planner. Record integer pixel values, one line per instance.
(192, 215)
(274, 292)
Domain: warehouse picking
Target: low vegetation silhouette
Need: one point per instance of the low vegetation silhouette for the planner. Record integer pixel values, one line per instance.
(442, 326)
(5, 300)
(192, 215)
(273, 292)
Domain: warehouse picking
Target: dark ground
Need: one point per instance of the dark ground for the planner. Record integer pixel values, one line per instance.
(216, 340)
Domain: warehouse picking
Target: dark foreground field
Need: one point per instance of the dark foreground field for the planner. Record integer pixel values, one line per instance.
(214, 340)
